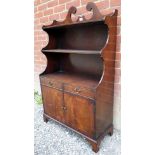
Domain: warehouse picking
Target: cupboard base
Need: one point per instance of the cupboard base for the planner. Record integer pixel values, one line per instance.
(95, 143)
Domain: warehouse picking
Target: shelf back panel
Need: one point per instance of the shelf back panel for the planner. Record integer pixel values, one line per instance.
(89, 36)
(90, 65)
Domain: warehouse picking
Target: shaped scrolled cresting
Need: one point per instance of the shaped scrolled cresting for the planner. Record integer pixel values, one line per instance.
(68, 19)
(72, 10)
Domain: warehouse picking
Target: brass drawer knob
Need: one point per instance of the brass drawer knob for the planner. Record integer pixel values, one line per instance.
(50, 83)
(77, 89)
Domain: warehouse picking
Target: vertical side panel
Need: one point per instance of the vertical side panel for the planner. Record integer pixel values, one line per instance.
(105, 90)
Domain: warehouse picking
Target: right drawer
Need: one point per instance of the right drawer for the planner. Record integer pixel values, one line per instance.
(77, 90)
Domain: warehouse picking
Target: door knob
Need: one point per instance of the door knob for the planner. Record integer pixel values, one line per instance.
(64, 108)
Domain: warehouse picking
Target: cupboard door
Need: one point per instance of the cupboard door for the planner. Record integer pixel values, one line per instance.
(79, 114)
(52, 100)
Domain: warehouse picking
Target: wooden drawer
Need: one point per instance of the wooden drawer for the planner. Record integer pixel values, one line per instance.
(89, 93)
(51, 83)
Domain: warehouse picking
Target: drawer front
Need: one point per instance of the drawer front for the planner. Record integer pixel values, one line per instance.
(80, 91)
(51, 83)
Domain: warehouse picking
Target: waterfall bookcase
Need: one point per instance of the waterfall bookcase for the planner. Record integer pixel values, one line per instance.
(78, 83)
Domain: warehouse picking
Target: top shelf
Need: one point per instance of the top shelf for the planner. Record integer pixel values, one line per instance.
(73, 24)
(73, 51)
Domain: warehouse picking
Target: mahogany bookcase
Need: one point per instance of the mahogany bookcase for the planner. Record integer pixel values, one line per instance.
(78, 82)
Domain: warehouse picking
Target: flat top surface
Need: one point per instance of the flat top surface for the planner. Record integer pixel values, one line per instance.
(74, 79)
(72, 24)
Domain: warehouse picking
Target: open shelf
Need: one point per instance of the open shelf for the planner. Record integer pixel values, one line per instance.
(73, 51)
(73, 78)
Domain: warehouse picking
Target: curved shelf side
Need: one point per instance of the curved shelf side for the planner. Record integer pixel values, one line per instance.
(105, 87)
(109, 49)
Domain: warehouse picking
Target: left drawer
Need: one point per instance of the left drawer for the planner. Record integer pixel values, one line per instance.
(51, 83)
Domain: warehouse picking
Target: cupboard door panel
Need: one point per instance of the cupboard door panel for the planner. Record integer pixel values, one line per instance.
(79, 114)
(53, 103)
(70, 109)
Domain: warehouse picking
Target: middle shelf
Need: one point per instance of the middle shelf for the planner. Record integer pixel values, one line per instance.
(73, 51)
